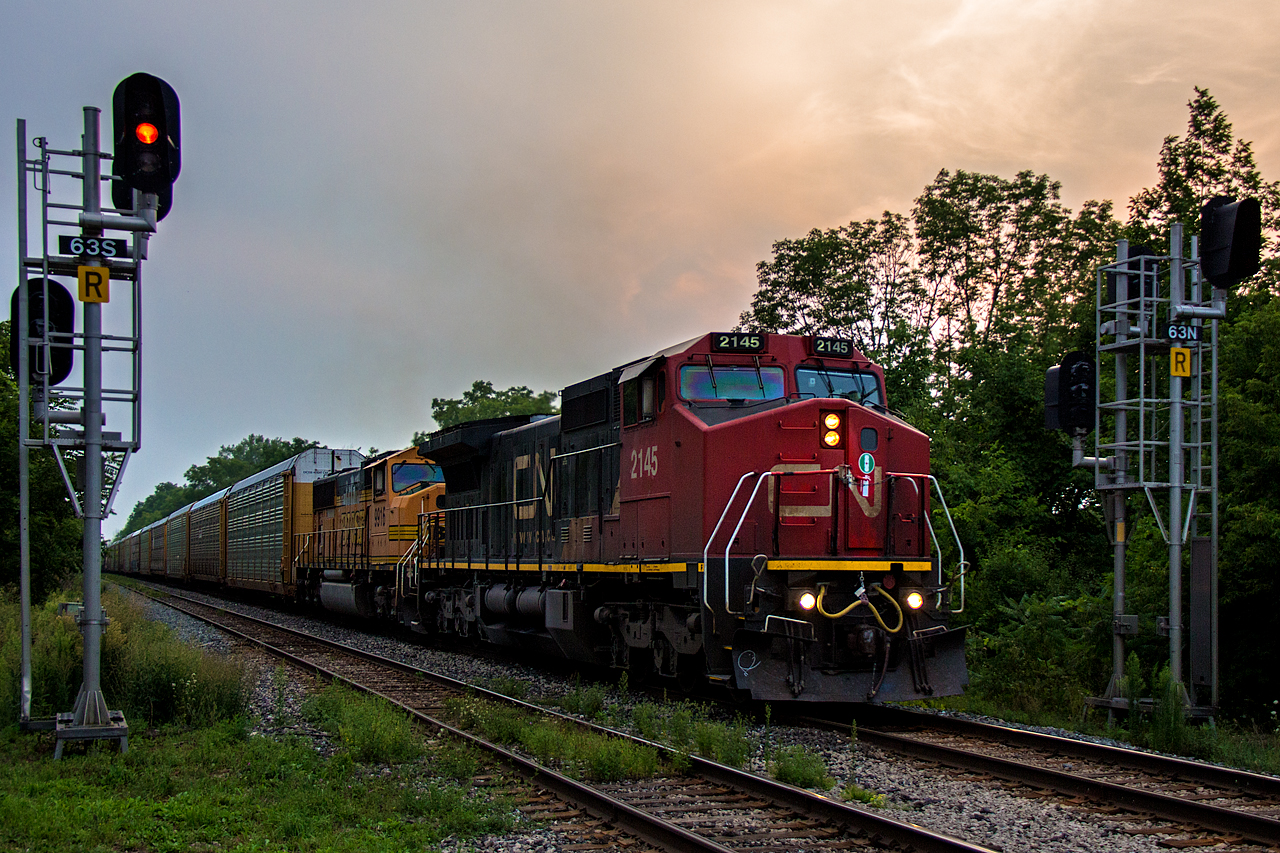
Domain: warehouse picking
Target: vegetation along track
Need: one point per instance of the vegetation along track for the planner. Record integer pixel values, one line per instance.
(709, 807)
(1206, 803)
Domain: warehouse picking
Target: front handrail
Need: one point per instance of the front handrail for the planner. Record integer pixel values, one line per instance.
(962, 565)
(402, 587)
(706, 567)
(763, 477)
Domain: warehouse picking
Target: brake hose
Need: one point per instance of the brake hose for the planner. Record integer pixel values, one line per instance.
(876, 587)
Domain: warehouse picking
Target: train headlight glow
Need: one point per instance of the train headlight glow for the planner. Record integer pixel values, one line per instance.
(831, 438)
(831, 420)
(807, 601)
(915, 600)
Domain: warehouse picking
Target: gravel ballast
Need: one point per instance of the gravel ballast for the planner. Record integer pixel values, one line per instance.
(982, 812)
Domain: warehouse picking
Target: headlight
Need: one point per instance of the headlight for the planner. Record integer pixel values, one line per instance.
(832, 429)
(807, 601)
(915, 599)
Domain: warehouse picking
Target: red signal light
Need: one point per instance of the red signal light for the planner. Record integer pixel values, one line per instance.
(146, 133)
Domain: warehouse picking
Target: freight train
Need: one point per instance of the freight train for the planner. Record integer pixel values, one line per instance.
(740, 509)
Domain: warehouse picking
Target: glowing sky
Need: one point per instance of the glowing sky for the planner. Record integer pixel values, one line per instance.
(380, 203)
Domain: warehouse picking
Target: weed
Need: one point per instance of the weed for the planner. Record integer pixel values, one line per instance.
(457, 762)
(801, 767)
(584, 701)
(552, 742)
(509, 686)
(146, 672)
(723, 742)
(852, 793)
(279, 681)
(767, 739)
(370, 729)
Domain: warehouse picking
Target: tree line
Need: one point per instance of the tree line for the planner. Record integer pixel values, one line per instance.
(966, 301)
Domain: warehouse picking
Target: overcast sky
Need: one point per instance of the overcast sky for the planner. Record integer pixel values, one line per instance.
(383, 202)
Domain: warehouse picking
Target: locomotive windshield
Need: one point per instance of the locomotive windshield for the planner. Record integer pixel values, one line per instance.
(821, 382)
(405, 476)
(731, 382)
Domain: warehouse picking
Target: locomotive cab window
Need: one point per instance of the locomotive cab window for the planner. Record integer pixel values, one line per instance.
(731, 382)
(851, 385)
(379, 480)
(409, 477)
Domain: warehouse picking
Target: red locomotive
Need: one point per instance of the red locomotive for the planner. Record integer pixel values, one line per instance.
(741, 508)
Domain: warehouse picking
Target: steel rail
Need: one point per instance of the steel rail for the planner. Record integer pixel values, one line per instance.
(649, 828)
(1217, 818)
(1244, 781)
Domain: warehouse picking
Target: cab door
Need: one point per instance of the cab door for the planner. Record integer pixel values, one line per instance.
(379, 517)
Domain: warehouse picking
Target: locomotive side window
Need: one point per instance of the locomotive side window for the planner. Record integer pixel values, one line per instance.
(642, 398)
(731, 382)
(821, 382)
(379, 480)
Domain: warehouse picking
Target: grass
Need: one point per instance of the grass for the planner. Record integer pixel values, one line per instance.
(370, 730)
(145, 672)
(195, 780)
(576, 752)
(216, 788)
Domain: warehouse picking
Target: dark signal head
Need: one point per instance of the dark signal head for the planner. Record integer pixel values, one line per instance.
(1230, 240)
(147, 133)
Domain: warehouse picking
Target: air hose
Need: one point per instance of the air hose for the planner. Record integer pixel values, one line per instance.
(861, 600)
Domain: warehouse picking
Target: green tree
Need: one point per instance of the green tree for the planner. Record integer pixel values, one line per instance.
(232, 464)
(997, 256)
(858, 281)
(1209, 161)
(482, 401)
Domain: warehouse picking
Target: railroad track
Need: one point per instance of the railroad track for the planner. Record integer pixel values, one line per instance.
(710, 807)
(1188, 804)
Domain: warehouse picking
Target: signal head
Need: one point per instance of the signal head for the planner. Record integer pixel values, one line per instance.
(1231, 240)
(146, 132)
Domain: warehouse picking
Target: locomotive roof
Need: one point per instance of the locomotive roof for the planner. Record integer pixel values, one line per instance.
(633, 369)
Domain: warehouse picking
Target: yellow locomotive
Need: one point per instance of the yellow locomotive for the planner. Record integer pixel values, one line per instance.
(364, 525)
